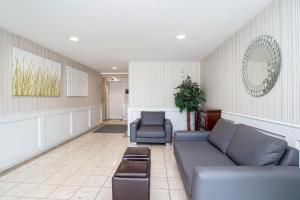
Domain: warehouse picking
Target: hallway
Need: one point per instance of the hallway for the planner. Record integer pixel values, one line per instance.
(82, 169)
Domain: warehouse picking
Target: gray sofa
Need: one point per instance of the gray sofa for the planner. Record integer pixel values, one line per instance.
(152, 127)
(236, 162)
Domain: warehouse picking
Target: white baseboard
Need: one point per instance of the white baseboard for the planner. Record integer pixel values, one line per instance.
(24, 135)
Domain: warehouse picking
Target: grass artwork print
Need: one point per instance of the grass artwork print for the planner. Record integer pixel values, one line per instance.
(34, 75)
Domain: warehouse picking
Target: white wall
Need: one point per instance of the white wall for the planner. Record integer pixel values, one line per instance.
(14, 104)
(24, 135)
(152, 87)
(31, 125)
(221, 74)
(151, 84)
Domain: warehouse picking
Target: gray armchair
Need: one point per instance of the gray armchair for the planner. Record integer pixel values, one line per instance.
(152, 127)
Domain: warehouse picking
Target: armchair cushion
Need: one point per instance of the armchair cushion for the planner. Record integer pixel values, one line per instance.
(151, 132)
(253, 148)
(222, 134)
(153, 118)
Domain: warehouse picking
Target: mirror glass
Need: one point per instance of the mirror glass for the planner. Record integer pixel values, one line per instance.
(258, 66)
(261, 65)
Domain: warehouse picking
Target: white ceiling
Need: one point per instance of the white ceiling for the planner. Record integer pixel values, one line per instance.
(114, 32)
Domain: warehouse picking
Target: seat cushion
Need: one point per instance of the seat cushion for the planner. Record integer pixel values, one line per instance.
(151, 132)
(152, 118)
(189, 162)
(222, 134)
(251, 147)
(195, 148)
(290, 157)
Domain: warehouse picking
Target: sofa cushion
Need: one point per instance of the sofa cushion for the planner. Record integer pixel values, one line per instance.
(290, 157)
(251, 147)
(152, 118)
(151, 132)
(222, 134)
(194, 148)
(189, 162)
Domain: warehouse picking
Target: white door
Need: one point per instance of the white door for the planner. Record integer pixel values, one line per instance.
(116, 99)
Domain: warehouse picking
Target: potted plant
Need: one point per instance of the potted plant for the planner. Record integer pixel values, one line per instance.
(188, 98)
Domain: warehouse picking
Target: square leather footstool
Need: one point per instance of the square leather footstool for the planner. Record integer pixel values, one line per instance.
(137, 153)
(131, 181)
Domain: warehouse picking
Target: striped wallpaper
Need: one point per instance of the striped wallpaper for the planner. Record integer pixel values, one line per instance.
(221, 72)
(152, 84)
(12, 104)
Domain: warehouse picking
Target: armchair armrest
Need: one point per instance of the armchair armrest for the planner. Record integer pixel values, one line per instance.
(134, 126)
(246, 183)
(168, 130)
(191, 135)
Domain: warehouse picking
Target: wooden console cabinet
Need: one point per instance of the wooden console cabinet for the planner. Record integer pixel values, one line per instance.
(206, 118)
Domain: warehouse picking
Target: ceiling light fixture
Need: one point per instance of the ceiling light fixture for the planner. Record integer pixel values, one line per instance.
(114, 68)
(181, 37)
(74, 39)
(113, 78)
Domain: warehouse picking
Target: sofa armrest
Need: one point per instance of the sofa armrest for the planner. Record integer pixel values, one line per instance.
(134, 126)
(191, 135)
(168, 130)
(246, 183)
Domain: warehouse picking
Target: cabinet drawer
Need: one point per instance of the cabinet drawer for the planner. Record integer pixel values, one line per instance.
(207, 118)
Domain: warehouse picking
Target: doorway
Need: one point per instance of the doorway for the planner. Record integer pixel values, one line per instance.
(116, 93)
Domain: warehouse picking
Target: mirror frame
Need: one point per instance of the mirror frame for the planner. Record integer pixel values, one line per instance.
(270, 44)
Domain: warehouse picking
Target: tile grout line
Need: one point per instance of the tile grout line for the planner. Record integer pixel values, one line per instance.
(167, 176)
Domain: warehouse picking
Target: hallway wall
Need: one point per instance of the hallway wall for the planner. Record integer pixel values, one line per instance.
(31, 125)
(13, 104)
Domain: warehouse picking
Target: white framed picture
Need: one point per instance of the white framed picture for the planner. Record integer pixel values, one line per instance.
(77, 83)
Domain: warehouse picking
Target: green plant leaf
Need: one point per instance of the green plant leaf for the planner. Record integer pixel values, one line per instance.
(188, 96)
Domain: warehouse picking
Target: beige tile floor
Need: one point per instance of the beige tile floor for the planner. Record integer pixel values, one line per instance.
(82, 169)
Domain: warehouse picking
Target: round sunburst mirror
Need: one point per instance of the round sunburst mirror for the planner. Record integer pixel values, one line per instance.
(261, 65)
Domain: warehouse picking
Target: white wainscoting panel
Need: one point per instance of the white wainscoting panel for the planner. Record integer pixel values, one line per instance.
(57, 128)
(288, 132)
(18, 139)
(96, 116)
(178, 119)
(80, 121)
(24, 135)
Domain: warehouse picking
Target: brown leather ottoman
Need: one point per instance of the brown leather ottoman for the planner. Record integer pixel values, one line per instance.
(131, 181)
(137, 153)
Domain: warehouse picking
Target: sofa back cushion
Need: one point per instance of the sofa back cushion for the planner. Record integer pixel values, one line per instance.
(290, 157)
(152, 118)
(222, 134)
(251, 147)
